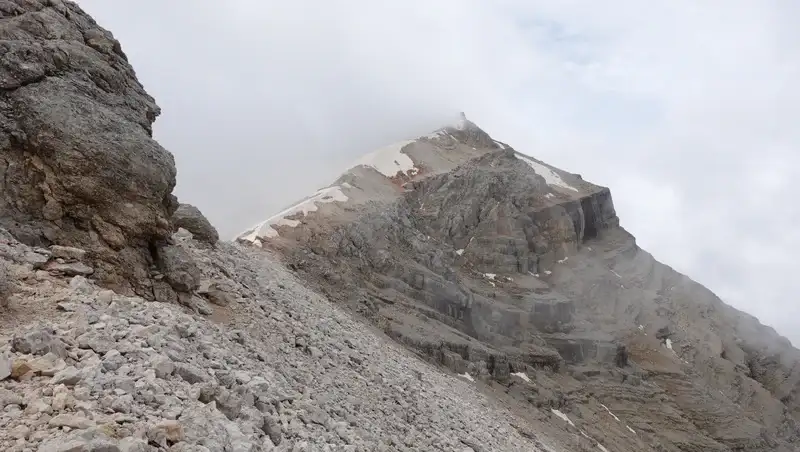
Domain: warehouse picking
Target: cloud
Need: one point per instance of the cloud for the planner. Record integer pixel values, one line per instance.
(685, 109)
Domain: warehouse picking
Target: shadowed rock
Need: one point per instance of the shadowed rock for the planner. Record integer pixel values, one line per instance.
(190, 218)
(78, 165)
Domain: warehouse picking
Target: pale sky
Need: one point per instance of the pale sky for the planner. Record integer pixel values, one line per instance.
(687, 110)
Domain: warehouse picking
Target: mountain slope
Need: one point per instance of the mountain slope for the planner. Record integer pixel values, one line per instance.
(500, 267)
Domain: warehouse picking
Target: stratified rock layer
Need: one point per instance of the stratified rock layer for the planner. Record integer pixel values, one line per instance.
(78, 165)
(518, 275)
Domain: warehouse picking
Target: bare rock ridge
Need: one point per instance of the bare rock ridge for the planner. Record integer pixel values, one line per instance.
(544, 326)
(78, 165)
(517, 274)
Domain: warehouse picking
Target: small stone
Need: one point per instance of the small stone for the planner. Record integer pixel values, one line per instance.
(69, 376)
(166, 432)
(67, 252)
(20, 431)
(218, 296)
(105, 296)
(69, 269)
(38, 406)
(201, 306)
(37, 260)
(6, 367)
(131, 444)
(19, 368)
(62, 401)
(9, 398)
(122, 404)
(273, 429)
(113, 360)
(61, 445)
(72, 421)
(190, 373)
(37, 342)
(162, 365)
(47, 365)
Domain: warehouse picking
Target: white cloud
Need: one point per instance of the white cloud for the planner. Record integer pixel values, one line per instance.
(685, 109)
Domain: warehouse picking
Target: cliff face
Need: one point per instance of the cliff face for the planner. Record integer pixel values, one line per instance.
(517, 274)
(78, 165)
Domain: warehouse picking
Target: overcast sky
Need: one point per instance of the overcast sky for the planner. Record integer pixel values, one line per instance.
(687, 110)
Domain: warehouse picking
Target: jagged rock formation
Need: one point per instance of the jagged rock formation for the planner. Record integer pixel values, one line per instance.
(78, 165)
(190, 218)
(514, 273)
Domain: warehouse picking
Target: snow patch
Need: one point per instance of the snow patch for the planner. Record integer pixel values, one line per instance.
(467, 376)
(668, 344)
(388, 160)
(630, 429)
(460, 252)
(641, 327)
(550, 176)
(562, 416)
(522, 375)
(600, 446)
(561, 261)
(491, 276)
(499, 144)
(548, 272)
(549, 195)
(609, 412)
(265, 229)
(616, 274)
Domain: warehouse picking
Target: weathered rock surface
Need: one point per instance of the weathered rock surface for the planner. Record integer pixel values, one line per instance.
(78, 166)
(189, 217)
(546, 328)
(517, 275)
(281, 369)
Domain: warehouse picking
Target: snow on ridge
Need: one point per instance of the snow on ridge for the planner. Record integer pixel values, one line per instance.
(522, 375)
(265, 228)
(388, 160)
(609, 412)
(466, 376)
(550, 176)
(562, 416)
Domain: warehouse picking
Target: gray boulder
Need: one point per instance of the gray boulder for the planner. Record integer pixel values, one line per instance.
(78, 164)
(179, 268)
(190, 218)
(5, 283)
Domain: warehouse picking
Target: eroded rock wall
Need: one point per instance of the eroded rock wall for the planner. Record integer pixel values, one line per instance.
(78, 164)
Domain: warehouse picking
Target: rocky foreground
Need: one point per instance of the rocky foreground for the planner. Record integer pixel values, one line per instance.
(273, 366)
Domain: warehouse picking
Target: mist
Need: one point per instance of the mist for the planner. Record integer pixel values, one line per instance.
(686, 111)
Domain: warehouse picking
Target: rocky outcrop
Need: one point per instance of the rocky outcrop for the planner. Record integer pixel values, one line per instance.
(78, 165)
(513, 273)
(189, 217)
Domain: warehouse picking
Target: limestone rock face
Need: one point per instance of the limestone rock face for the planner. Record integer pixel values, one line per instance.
(78, 165)
(508, 271)
(190, 218)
